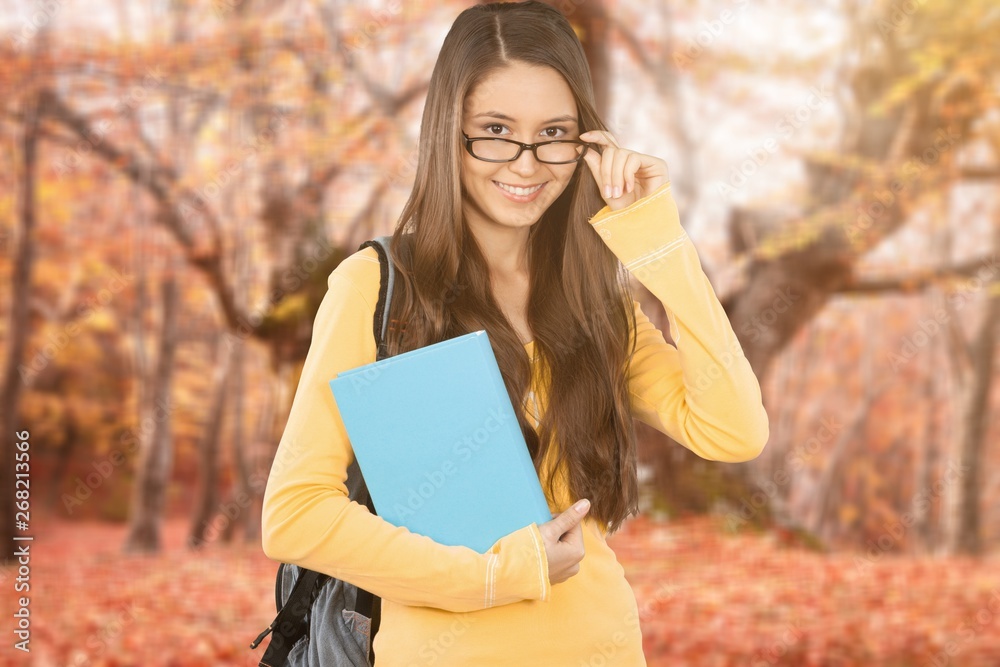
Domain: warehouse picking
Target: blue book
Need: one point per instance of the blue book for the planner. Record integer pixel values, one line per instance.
(438, 443)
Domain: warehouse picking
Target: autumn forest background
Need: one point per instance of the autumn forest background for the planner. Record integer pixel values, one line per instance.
(179, 177)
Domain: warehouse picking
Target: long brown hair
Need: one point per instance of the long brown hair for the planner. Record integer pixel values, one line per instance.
(580, 304)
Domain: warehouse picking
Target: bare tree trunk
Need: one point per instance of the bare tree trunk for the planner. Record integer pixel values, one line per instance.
(972, 366)
(970, 420)
(155, 443)
(64, 456)
(207, 505)
(920, 505)
(12, 429)
(833, 472)
(244, 494)
(140, 360)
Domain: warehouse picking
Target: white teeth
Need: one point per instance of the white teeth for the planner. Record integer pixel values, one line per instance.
(520, 192)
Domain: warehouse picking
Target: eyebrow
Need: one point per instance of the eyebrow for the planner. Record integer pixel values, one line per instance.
(501, 116)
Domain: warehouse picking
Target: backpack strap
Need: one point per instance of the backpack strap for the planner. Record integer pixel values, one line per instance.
(380, 322)
(290, 623)
(365, 602)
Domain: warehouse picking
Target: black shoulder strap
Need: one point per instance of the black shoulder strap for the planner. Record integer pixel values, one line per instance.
(290, 623)
(366, 602)
(380, 321)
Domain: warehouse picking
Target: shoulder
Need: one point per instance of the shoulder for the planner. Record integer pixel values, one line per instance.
(360, 270)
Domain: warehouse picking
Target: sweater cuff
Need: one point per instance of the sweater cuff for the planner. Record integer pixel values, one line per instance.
(643, 233)
(517, 568)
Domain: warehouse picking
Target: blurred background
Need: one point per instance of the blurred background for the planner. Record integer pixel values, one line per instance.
(179, 177)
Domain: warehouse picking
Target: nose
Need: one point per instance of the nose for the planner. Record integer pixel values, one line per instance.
(525, 164)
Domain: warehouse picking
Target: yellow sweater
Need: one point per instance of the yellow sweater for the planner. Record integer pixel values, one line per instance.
(450, 606)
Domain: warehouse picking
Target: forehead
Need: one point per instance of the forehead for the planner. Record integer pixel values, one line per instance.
(528, 94)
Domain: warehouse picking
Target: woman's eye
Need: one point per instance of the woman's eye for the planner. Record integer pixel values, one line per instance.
(488, 128)
(554, 129)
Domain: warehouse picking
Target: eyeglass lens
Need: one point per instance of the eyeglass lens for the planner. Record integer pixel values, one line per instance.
(497, 149)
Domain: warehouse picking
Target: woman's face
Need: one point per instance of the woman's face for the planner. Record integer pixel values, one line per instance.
(525, 103)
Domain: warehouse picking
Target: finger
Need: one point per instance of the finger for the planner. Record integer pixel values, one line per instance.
(608, 146)
(593, 160)
(602, 141)
(618, 172)
(632, 165)
(601, 137)
(570, 517)
(573, 537)
(607, 164)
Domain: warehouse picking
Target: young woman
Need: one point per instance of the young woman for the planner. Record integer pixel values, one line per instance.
(526, 219)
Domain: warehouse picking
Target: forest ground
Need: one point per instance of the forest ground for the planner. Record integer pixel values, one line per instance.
(706, 599)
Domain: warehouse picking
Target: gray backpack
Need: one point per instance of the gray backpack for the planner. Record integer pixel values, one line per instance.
(323, 621)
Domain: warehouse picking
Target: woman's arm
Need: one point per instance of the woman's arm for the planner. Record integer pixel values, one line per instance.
(702, 393)
(309, 520)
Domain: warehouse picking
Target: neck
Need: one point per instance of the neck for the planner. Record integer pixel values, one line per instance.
(505, 248)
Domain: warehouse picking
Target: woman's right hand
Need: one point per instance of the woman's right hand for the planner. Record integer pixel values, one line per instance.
(563, 538)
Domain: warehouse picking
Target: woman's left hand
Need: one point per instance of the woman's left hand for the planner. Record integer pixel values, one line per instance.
(623, 176)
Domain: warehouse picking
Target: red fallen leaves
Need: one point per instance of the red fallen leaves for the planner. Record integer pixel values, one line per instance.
(710, 599)
(705, 600)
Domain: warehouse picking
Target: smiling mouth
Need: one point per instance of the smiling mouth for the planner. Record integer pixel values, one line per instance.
(519, 191)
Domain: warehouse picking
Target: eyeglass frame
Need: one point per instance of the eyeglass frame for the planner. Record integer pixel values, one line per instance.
(523, 146)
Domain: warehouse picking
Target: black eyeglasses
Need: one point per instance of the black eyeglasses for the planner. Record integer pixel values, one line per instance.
(495, 149)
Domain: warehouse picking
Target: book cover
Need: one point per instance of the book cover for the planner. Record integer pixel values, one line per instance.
(438, 443)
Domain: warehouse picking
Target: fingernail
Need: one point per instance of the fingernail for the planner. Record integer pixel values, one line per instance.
(607, 191)
(618, 191)
(582, 505)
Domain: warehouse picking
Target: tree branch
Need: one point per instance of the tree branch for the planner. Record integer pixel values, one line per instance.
(980, 173)
(161, 184)
(915, 282)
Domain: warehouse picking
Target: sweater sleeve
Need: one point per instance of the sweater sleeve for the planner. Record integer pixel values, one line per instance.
(702, 393)
(308, 519)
